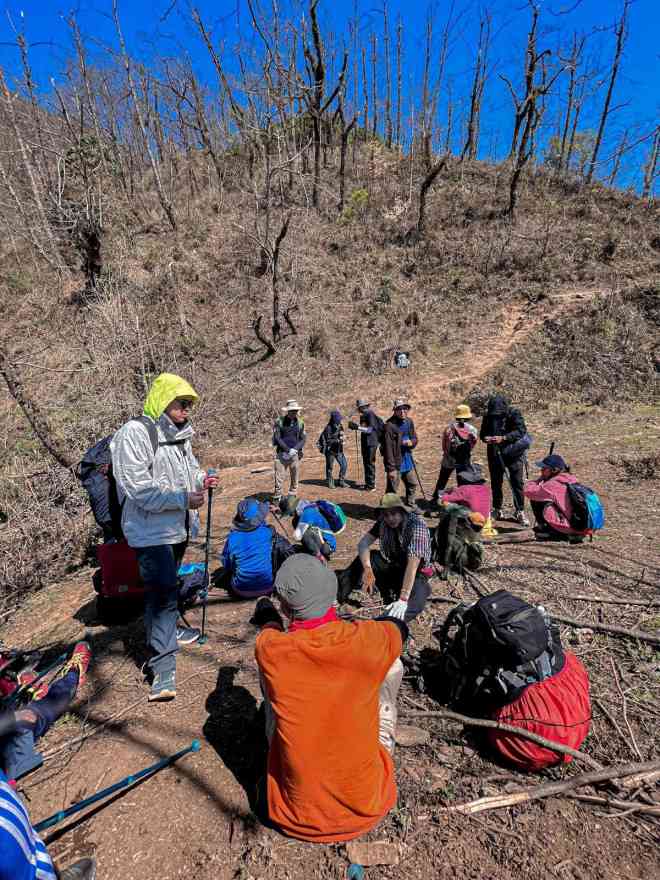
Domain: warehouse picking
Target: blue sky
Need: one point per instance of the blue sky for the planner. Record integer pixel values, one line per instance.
(163, 27)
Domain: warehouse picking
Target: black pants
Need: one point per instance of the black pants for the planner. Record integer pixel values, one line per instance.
(409, 482)
(389, 580)
(443, 479)
(516, 472)
(537, 509)
(369, 465)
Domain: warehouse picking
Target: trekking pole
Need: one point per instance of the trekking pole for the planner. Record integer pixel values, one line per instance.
(56, 818)
(207, 552)
(418, 479)
(357, 459)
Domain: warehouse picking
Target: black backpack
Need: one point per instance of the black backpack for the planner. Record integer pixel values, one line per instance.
(499, 646)
(95, 474)
(455, 544)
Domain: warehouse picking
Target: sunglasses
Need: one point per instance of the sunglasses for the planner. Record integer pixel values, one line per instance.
(184, 404)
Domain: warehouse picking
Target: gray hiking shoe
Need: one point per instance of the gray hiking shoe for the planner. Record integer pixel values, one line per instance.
(163, 687)
(85, 869)
(186, 635)
(520, 517)
(496, 513)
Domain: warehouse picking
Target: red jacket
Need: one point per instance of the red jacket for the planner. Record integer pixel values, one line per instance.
(467, 432)
(476, 496)
(558, 509)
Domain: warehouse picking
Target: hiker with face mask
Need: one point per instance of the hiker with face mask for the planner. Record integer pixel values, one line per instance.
(288, 441)
(160, 493)
(458, 440)
(401, 568)
(330, 688)
(504, 432)
(399, 440)
(331, 444)
(551, 504)
(370, 429)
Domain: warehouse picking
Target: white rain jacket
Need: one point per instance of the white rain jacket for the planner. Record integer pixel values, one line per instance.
(154, 488)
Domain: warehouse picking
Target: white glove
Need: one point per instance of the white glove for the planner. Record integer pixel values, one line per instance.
(397, 609)
(293, 453)
(300, 531)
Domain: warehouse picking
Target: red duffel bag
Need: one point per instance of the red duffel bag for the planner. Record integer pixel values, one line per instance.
(557, 708)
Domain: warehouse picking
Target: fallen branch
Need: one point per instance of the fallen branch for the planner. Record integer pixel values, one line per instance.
(624, 707)
(509, 728)
(608, 628)
(629, 806)
(605, 600)
(550, 789)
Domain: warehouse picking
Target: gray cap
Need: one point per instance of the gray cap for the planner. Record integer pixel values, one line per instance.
(361, 402)
(306, 585)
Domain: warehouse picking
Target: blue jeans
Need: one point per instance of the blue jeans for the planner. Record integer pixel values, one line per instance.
(158, 567)
(18, 754)
(330, 459)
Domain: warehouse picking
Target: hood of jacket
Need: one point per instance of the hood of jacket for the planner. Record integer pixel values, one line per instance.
(498, 405)
(164, 389)
(250, 514)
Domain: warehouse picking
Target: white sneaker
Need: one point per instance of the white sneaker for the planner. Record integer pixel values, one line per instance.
(496, 513)
(519, 517)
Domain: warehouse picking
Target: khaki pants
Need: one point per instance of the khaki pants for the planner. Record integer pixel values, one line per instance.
(387, 710)
(281, 468)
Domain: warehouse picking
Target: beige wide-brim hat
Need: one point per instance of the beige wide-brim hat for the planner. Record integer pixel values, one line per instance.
(292, 405)
(392, 501)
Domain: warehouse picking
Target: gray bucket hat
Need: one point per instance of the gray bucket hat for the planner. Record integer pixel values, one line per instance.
(306, 585)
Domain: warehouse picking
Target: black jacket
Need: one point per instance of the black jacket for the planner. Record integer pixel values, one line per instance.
(332, 438)
(502, 420)
(369, 419)
(392, 449)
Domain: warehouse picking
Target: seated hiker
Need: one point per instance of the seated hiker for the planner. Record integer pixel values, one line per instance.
(330, 688)
(23, 855)
(253, 552)
(22, 727)
(399, 570)
(331, 444)
(502, 658)
(316, 515)
(456, 544)
(472, 491)
(458, 440)
(550, 501)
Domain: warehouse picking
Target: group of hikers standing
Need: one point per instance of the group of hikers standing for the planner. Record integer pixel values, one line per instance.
(325, 781)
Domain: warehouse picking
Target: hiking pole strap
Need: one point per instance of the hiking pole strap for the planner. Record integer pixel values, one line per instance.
(111, 789)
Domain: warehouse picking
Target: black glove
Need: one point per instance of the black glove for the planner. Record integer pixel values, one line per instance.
(265, 612)
(353, 426)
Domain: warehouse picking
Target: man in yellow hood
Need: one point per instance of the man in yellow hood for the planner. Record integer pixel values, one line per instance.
(160, 492)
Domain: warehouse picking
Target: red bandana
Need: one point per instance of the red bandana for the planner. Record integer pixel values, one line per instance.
(329, 616)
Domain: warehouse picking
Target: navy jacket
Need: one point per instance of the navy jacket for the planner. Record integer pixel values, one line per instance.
(289, 434)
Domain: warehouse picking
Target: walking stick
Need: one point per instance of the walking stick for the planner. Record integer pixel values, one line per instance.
(203, 639)
(418, 479)
(357, 459)
(56, 818)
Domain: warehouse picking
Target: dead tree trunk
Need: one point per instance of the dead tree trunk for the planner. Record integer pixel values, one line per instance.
(477, 93)
(651, 168)
(31, 412)
(427, 183)
(621, 32)
(388, 78)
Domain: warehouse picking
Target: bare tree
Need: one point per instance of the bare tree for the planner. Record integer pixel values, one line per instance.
(477, 92)
(651, 167)
(388, 78)
(621, 32)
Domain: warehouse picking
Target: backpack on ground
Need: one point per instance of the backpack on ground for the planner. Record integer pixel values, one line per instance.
(334, 515)
(495, 648)
(454, 543)
(95, 474)
(587, 509)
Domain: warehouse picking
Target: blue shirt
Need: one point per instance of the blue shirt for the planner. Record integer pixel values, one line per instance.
(22, 854)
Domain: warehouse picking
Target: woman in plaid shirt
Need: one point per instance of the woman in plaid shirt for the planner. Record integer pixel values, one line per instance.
(400, 569)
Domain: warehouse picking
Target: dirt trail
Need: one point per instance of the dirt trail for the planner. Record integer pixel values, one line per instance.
(195, 819)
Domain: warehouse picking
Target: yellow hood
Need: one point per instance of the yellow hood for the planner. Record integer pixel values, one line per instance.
(163, 390)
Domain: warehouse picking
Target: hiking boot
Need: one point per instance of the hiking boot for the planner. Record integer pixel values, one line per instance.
(330, 483)
(78, 661)
(85, 869)
(496, 513)
(163, 687)
(187, 635)
(369, 488)
(520, 517)
(342, 484)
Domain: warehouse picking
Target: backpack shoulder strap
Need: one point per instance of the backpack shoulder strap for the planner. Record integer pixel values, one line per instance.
(152, 430)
